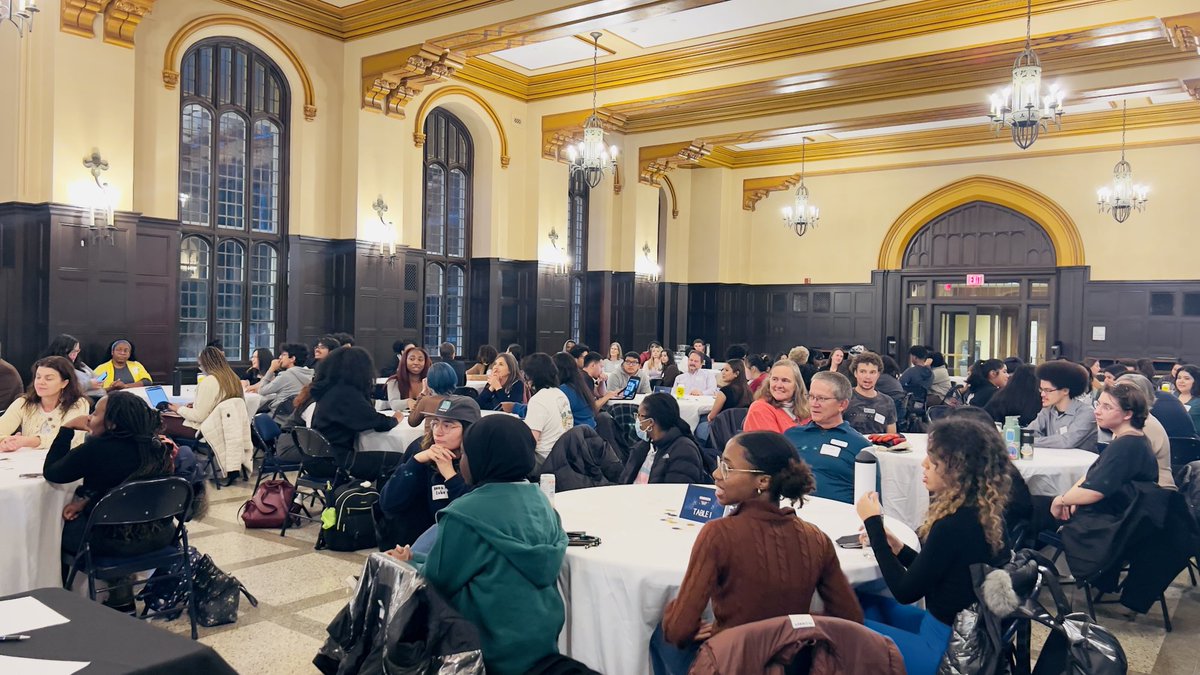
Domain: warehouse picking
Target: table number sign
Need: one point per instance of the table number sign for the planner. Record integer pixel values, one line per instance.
(700, 504)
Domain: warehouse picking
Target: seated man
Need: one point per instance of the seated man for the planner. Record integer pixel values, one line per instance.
(918, 377)
(593, 367)
(1065, 421)
(828, 443)
(697, 381)
(698, 345)
(631, 367)
(286, 376)
(870, 412)
(446, 351)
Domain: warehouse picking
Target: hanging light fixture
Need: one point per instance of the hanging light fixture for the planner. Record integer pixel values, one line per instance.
(804, 214)
(1123, 196)
(1023, 107)
(590, 157)
(19, 13)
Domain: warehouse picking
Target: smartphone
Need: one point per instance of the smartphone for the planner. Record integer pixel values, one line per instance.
(102, 377)
(631, 388)
(849, 541)
(31, 475)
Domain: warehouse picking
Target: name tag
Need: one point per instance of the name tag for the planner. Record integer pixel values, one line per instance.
(879, 418)
(700, 504)
(802, 621)
(440, 492)
(1062, 431)
(839, 442)
(831, 450)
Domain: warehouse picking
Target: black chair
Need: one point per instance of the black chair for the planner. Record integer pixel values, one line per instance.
(316, 452)
(135, 503)
(266, 433)
(606, 426)
(1184, 451)
(466, 391)
(726, 425)
(203, 449)
(937, 412)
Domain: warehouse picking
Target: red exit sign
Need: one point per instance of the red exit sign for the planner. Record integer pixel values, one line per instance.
(974, 279)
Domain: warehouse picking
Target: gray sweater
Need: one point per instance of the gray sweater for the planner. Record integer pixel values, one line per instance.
(1075, 428)
(282, 385)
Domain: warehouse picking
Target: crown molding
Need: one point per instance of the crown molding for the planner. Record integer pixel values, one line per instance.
(121, 18)
(358, 20)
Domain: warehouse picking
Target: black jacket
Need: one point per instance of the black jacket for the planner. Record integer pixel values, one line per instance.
(582, 459)
(411, 498)
(344, 412)
(678, 461)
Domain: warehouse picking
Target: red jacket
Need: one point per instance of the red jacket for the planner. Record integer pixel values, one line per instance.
(837, 647)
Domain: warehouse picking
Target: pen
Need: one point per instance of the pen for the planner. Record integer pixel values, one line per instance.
(13, 638)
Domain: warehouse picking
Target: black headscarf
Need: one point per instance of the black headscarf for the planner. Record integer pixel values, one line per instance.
(499, 449)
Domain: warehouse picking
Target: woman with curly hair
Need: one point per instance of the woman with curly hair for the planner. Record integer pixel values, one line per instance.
(966, 472)
(760, 562)
(781, 402)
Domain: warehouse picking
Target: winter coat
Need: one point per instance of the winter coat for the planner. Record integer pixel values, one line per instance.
(582, 459)
(227, 431)
(678, 460)
(836, 646)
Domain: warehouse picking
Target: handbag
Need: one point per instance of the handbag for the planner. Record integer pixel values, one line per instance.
(270, 505)
(217, 594)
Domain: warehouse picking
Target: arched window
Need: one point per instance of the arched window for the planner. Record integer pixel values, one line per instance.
(232, 169)
(577, 233)
(449, 157)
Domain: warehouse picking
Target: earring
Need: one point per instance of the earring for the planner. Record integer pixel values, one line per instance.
(760, 491)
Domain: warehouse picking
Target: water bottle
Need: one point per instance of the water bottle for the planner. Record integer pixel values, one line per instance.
(1026, 444)
(546, 483)
(1012, 436)
(176, 382)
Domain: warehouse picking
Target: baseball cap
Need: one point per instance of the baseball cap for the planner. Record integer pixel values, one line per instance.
(461, 408)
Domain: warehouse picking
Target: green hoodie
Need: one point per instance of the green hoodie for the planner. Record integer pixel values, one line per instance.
(497, 557)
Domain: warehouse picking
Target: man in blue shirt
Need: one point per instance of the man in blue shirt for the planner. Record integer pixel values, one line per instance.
(828, 443)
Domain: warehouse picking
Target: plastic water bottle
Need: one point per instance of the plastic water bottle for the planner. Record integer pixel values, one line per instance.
(1026, 444)
(546, 483)
(1012, 436)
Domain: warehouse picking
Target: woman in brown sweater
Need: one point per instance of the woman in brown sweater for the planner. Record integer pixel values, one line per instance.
(758, 563)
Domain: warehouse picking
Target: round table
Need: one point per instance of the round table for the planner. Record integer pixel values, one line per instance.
(1052, 471)
(615, 593)
(32, 525)
(396, 440)
(690, 407)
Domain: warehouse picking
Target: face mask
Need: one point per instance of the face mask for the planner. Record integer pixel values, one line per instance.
(641, 433)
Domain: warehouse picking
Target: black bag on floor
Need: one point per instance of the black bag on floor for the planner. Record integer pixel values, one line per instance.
(217, 594)
(348, 523)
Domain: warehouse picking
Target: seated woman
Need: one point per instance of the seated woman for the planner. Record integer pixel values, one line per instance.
(439, 384)
(404, 387)
(669, 369)
(615, 355)
(67, 347)
(668, 452)
(122, 370)
(966, 471)
(499, 550)
(757, 369)
(986, 378)
(341, 390)
(219, 385)
(574, 384)
(428, 478)
(260, 363)
(761, 562)
(504, 384)
(733, 392)
(121, 445)
(53, 399)
(838, 362)
(1019, 515)
(781, 402)
(548, 413)
(484, 359)
(1187, 384)
(1019, 398)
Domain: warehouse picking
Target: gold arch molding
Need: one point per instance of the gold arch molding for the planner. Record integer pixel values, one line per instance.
(172, 57)
(666, 180)
(427, 106)
(1068, 244)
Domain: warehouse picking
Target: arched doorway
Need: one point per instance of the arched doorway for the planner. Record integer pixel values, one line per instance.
(979, 282)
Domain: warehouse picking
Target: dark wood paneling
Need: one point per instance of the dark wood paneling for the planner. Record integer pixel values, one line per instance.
(553, 309)
(979, 235)
(321, 286)
(1141, 319)
(383, 288)
(503, 307)
(24, 283)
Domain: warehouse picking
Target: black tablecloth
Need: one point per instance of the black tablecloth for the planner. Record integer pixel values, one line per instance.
(111, 641)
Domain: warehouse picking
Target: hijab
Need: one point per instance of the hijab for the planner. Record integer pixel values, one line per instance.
(499, 449)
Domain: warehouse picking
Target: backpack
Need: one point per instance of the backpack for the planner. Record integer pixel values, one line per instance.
(348, 524)
(271, 503)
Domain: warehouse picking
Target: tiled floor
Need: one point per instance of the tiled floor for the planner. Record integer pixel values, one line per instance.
(300, 590)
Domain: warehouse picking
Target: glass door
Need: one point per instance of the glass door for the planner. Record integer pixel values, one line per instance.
(955, 339)
(969, 334)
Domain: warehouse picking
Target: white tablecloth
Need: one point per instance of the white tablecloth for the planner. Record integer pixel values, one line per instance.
(690, 407)
(396, 440)
(187, 394)
(31, 528)
(615, 592)
(1050, 472)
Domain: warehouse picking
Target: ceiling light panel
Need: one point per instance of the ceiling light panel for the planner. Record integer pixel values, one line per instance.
(722, 17)
(547, 54)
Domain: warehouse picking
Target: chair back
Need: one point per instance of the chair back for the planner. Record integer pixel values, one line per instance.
(143, 501)
(727, 424)
(1184, 451)
(310, 443)
(937, 412)
(466, 391)
(266, 428)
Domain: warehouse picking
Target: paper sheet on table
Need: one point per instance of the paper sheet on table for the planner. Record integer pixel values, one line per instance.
(26, 614)
(16, 664)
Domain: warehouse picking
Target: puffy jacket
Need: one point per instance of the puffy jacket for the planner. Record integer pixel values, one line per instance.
(227, 431)
(837, 646)
(582, 459)
(678, 460)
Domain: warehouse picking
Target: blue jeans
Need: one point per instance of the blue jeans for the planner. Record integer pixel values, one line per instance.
(921, 639)
(666, 658)
(424, 543)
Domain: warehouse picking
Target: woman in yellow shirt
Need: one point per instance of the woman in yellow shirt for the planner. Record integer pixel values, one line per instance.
(33, 420)
(122, 370)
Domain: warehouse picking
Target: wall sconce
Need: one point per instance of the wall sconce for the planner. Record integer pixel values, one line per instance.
(558, 256)
(19, 13)
(650, 268)
(387, 232)
(103, 199)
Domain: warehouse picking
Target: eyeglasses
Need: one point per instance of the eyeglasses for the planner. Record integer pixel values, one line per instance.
(725, 469)
(1046, 391)
(821, 399)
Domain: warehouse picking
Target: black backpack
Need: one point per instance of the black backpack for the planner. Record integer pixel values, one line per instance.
(347, 524)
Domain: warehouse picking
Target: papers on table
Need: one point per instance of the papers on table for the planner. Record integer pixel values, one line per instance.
(16, 664)
(26, 614)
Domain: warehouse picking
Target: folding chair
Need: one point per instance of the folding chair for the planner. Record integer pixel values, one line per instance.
(466, 391)
(1184, 451)
(314, 449)
(937, 412)
(135, 503)
(266, 433)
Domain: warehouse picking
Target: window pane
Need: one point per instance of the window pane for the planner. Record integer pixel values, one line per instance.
(195, 164)
(576, 308)
(239, 78)
(1039, 333)
(231, 173)
(433, 306)
(578, 233)
(260, 87)
(274, 96)
(231, 289)
(204, 73)
(224, 67)
(456, 297)
(456, 223)
(435, 208)
(264, 189)
(194, 275)
(917, 289)
(1039, 289)
(264, 276)
(988, 290)
(188, 77)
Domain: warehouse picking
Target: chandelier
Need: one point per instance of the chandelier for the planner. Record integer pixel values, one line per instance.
(804, 214)
(19, 13)
(1123, 196)
(1023, 107)
(590, 157)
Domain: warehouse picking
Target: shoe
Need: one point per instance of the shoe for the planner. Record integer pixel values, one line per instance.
(230, 479)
